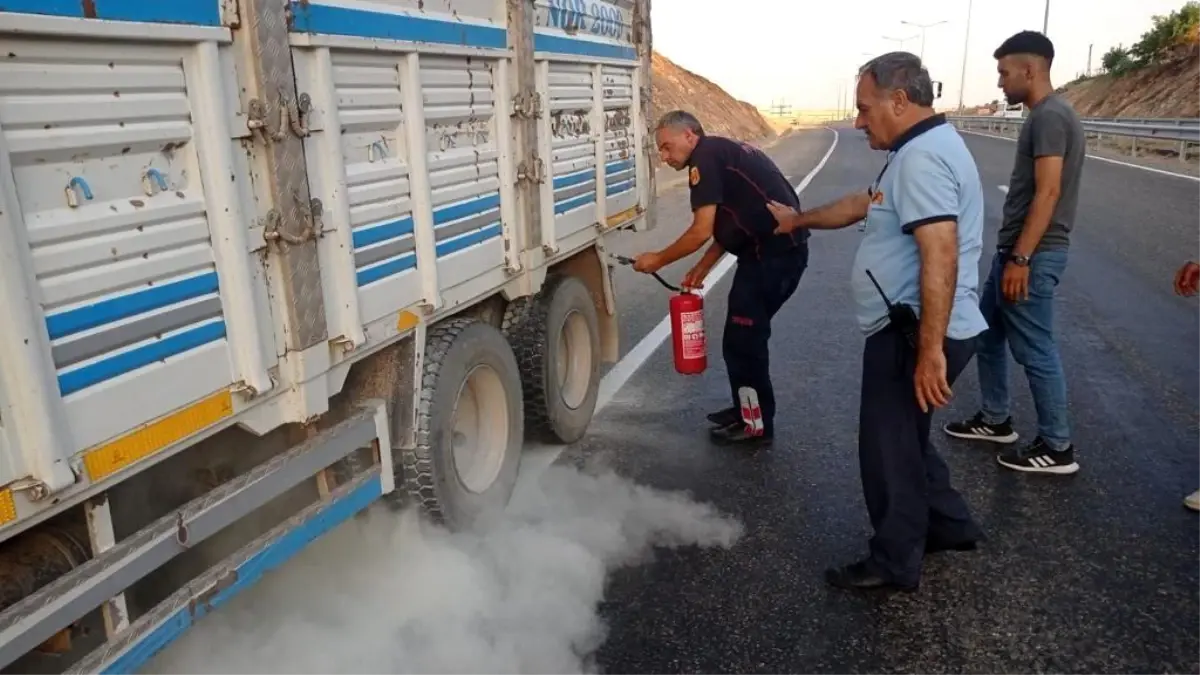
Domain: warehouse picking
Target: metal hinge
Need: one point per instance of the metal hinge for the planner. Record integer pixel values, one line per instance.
(273, 230)
(293, 116)
(527, 104)
(229, 13)
(532, 170)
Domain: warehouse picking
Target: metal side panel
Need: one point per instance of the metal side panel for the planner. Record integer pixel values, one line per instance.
(572, 144)
(35, 618)
(290, 218)
(644, 143)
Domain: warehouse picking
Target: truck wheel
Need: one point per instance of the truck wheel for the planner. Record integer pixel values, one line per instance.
(556, 337)
(469, 426)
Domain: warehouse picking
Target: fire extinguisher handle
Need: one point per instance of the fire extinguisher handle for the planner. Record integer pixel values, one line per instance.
(629, 261)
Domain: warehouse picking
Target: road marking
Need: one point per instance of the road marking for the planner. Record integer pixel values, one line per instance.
(1098, 157)
(628, 365)
(1003, 188)
(537, 458)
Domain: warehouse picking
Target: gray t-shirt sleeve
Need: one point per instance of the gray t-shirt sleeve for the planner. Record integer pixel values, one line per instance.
(1051, 134)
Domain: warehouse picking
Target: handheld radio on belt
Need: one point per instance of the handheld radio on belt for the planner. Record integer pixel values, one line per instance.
(901, 315)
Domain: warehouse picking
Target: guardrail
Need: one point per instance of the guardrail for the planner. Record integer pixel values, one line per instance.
(1184, 131)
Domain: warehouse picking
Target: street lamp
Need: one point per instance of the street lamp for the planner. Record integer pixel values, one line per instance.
(901, 41)
(923, 27)
(962, 82)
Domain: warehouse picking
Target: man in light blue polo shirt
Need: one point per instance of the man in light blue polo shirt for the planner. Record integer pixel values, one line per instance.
(924, 235)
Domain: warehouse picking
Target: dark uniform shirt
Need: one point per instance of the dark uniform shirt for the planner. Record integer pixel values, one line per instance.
(740, 179)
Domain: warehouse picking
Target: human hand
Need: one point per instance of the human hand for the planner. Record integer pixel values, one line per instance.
(929, 380)
(1015, 282)
(694, 278)
(647, 263)
(787, 217)
(1187, 279)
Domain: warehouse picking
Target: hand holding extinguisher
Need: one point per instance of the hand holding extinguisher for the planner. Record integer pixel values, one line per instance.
(687, 326)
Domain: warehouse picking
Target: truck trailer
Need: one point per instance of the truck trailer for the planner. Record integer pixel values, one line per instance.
(265, 264)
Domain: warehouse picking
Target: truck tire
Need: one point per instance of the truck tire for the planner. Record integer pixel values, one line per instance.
(556, 337)
(469, 426)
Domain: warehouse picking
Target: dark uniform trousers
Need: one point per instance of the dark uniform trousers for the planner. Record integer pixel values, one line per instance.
(905, 482)
(760, 288)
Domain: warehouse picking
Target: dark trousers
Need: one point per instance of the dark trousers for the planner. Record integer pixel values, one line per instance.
(760, 287)
(905, 482)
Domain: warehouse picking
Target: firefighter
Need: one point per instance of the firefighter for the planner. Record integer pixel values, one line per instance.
(731, 184)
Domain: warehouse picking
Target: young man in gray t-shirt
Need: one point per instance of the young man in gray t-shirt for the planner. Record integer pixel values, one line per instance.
(1031, 255)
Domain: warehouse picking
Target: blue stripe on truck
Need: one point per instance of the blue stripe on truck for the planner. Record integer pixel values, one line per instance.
(309, 17)
(197, 12)
(248, 574)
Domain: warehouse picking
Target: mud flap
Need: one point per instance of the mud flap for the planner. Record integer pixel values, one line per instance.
(751, 412)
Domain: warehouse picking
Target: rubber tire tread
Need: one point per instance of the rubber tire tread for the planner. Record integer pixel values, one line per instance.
(526, 327)
(417, 469)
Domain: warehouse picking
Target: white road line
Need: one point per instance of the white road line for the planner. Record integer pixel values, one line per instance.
(620, 373)
(1098, 157)
(1003, 188)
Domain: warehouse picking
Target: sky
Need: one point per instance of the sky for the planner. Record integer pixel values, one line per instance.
(805, 52)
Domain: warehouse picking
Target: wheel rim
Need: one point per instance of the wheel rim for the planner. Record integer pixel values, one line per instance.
(479, 440)
(574, 362)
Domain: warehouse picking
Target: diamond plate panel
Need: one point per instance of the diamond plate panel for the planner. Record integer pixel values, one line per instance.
(264, 23)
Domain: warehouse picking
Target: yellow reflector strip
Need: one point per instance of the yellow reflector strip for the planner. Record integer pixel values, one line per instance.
(8, 507)
(407, 320)
(113, 456)
(618, 218)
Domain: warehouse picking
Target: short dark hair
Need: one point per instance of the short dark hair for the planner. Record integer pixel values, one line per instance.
(901, 71)
(681, 119)
(1027, 42)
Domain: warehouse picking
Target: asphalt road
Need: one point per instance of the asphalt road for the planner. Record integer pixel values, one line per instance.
(1096, 572)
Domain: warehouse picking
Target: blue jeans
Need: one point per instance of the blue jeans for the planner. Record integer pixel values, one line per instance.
(1027, 328)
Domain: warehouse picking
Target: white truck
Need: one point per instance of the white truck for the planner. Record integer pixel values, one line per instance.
(264, 263)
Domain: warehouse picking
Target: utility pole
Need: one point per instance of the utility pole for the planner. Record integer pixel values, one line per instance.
(923, 27)
(1046, 20)
(780, 109)
(1089, 67)
(962, 82)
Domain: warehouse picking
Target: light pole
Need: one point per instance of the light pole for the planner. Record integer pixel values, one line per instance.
(1046, 20)
(923, 27)
(962, 82)
(901, 41)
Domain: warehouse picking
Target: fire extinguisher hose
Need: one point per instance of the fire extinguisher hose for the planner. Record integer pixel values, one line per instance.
(629, 261)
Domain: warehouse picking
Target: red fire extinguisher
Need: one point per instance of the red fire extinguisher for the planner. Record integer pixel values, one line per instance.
(687, 333)
(687, 327)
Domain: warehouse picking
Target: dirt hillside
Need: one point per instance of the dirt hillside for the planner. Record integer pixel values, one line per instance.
(1169, 89)
(676, 88)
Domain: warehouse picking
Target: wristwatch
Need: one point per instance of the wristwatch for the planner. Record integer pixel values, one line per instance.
(1019, 260)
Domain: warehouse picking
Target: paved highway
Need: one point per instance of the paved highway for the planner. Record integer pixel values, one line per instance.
(1092, 573)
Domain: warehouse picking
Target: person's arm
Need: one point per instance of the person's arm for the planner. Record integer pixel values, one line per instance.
(700, 231)
(707, 192)
(842, 213)
(926, 198)
(1049, 148)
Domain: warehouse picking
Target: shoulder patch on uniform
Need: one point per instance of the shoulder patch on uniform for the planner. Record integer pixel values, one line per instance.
(694, 176)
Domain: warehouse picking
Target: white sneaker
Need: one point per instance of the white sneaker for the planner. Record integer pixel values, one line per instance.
(1192, 501)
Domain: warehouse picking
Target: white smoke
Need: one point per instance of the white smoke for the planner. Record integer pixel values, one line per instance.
(394, 594)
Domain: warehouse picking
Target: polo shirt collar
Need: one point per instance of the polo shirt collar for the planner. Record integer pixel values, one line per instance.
(692, 157)
(918, 129)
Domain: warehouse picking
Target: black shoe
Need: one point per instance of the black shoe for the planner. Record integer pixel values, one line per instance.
(723, 418)
(862, 576)
(937, 546)
(736, 434)
(1038, 457)
(975, 429)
